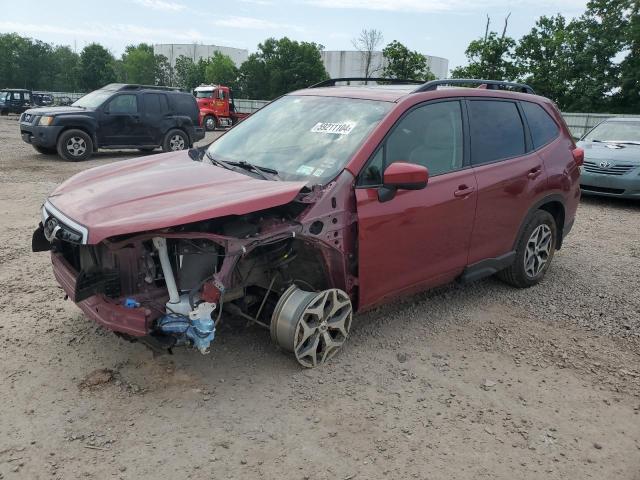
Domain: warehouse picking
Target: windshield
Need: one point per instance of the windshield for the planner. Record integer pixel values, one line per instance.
(302, 137)
(615, 132)
(93, 99)
(203, 93)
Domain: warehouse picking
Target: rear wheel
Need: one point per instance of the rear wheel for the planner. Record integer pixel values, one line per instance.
(44, 150)
(209, 123)
(534, 252)
(175, 140)
(75, 145)
(312, 325)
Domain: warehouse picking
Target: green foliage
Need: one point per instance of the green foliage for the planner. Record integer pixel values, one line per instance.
(405, 64)
(491, 58)
(281, 66)
(221, 71)
(24, 63)
(96, 67)
(189, 74)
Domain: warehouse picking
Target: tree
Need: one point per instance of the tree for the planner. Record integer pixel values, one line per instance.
(189, 74)
(280, 66)
(96, 67)
(366, 44)
(406, 64)
(491, 57)
(64, 77)
(139, 64)
(221, 70)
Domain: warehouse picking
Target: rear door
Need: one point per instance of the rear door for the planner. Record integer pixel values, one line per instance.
(120, 122)
(509, 173)
(156, 117)
(419, 238)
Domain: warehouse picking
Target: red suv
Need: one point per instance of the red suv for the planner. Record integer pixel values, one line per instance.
(328, 200)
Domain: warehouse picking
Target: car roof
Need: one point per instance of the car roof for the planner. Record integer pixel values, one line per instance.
(623, 119)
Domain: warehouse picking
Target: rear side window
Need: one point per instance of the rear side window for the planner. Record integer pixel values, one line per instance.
(542, 127)
(497, 132)
(155, 103)
(185, 104)
(124, 104)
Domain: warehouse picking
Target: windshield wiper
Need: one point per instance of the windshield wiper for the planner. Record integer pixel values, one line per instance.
(218, 162)
(624, 142)
(255, 168)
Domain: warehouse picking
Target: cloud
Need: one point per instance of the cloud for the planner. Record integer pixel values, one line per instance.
(90, 32)
(253, 24)
(162, 5)
(435, 6)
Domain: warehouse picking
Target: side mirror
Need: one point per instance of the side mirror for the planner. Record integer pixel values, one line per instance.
(402, 176)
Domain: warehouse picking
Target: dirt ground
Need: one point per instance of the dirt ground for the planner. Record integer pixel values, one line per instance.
(466, 382)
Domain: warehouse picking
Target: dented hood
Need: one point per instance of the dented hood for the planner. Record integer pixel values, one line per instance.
(162, 191)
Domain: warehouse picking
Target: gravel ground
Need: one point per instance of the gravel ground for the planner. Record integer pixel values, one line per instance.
(465, 382)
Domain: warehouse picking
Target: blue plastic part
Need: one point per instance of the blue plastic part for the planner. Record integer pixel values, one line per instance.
(200, 332)
(130, 303)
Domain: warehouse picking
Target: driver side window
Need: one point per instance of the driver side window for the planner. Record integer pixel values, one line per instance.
(124, 104)
(430, 135)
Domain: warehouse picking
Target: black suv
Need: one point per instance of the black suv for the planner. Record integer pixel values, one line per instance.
(14, 100)
(116, 116)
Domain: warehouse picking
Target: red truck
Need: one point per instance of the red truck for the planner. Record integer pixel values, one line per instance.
(217, 109)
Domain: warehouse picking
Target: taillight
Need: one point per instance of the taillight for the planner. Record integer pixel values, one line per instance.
(578, 156)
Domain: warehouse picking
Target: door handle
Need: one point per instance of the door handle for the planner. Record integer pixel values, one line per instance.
(534, 173)
(463, 191)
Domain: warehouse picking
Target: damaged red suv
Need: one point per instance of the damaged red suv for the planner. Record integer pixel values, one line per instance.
(329, 200)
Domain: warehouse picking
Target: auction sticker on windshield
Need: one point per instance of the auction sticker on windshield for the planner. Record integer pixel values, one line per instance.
(338, 128)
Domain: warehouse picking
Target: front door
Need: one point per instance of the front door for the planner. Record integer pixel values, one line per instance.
(120, 122)
(419, 238)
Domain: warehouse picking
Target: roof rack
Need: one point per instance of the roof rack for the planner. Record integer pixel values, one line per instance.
(393, 81)
(135, 86)
(490, 85)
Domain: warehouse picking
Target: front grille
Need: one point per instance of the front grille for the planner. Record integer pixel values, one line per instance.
(589, 188)
(619, 169)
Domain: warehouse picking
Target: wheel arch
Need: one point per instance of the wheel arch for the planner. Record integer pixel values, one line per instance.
(82, 128)
(555, 205)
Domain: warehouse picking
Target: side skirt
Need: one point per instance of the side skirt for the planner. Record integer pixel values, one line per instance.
(486, 267)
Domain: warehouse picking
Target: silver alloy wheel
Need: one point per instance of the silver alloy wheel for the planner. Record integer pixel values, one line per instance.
(176, 142)
(210, 123)
(312, 325)
(76, 146)
(537, 250)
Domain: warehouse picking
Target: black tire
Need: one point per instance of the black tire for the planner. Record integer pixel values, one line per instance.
(44, 150)
(175, 140)
(523, 274)
(75, 145)
(209, 123)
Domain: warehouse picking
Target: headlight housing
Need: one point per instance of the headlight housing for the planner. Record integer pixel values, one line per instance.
(46, 120)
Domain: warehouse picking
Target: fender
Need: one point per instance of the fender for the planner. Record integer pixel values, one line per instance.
(554, 197)
(81, 122)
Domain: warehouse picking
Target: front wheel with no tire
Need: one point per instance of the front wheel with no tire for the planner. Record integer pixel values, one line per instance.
(534, 252)
(75, 145)
(312, 325)
(175, 140)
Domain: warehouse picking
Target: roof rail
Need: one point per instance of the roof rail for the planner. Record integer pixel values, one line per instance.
(490, 85)
(133, 86)
(393, 81)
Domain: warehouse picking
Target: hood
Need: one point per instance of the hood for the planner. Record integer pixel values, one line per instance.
(161, 191)
(626, 153)
(55, 110)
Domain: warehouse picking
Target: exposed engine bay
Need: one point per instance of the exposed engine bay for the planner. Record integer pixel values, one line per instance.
(175, 286)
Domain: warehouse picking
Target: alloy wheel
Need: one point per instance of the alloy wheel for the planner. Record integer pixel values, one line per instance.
(537, 250)
(176, 142)
(76, 146)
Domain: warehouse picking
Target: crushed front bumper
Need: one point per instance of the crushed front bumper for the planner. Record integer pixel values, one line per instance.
(108, 313)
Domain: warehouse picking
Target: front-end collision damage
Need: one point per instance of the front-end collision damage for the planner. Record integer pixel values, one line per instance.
(177, 284)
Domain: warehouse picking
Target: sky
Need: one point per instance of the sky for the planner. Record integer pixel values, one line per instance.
(441, 28)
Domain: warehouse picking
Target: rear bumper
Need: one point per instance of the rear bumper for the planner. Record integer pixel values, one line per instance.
(106, 312)
(40, 136)
(620, 186)
(198, 134)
